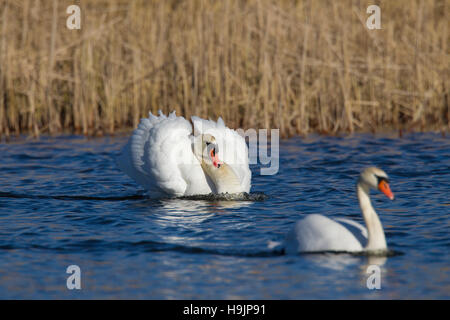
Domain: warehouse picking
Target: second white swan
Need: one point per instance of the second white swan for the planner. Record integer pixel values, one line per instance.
(317, 233)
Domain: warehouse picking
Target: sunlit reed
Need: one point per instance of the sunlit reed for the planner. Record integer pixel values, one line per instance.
(301, 66)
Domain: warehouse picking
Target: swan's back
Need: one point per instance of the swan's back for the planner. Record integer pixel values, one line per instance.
(317, 233)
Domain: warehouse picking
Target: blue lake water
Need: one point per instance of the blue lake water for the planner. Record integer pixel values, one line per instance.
(64, 202)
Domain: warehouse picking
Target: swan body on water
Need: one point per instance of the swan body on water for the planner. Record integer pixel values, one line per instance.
(317, 233)
(168, 158)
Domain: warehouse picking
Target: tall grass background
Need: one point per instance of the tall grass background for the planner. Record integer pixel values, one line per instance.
(300, 66)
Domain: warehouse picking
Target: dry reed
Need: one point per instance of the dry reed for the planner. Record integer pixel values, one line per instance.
(301, 66)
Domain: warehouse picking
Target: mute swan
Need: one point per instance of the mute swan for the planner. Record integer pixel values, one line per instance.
(317, 233)
(164, 156)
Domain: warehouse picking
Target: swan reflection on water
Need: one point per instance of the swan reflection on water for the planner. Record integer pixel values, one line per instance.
(191, 212)
(340, 262)
(186, 222)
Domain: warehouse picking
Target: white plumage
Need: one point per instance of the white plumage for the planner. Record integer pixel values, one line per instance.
(160, 156)
(318, 233)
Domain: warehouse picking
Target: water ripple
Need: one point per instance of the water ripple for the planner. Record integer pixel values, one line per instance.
(63, 201)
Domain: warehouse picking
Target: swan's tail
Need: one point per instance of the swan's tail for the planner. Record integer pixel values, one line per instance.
(130, 160)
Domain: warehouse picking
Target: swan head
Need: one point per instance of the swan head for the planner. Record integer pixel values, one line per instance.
(206, 150)
(375, 178)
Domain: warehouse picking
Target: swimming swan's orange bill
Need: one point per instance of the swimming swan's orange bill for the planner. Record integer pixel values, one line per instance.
(383, 186)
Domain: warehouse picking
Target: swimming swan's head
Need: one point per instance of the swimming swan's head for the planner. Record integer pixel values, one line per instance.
(375, 178)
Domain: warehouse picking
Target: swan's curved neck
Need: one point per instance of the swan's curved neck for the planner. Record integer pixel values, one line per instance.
(224, 178)
(376, 239)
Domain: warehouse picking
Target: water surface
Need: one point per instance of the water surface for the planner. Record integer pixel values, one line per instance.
(64, 202)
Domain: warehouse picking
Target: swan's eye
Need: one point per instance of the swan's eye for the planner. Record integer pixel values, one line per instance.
(379, 179)
(208, 143)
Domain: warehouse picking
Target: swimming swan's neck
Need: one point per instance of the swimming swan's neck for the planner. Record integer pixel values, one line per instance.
(376, 238)
(224, 178)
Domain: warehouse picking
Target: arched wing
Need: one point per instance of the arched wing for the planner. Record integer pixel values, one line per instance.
(159, 156)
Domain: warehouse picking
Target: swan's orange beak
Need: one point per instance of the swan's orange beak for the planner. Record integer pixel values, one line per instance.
(383, 186)
(214, 158)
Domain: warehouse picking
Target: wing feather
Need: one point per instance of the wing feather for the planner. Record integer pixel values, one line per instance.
(159, 156)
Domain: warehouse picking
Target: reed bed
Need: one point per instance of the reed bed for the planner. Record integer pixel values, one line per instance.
(300, 66)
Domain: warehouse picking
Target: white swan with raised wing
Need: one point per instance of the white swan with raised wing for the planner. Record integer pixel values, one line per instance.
(168, 158)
